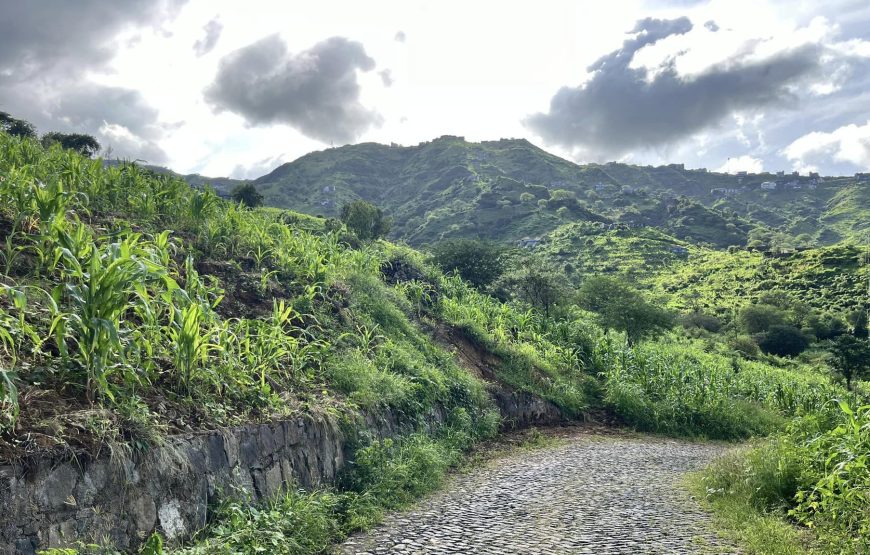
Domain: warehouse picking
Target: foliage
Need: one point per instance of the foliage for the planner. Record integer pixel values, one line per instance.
(480, 263)
(783, 341)
(16, 127)
(534, 283)
(851, 358)
(86, 145)
(620, 307)
(678, 389)
(248, 195)
(365, 220)
(816, 472)
(759, 318)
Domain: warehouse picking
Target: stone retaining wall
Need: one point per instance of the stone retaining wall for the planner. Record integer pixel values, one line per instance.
(52, 503)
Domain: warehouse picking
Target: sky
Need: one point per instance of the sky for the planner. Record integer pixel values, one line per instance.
(227, 88)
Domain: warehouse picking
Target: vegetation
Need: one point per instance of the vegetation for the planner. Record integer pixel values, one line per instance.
(365, 220)
(248, 195)
(480, 263)
(16, 127)
(620, 307)
(85, 145)
(135, 306)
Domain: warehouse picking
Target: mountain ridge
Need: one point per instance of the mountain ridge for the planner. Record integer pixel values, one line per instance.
(509, 189)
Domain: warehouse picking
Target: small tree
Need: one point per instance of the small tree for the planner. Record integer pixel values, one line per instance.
(851, 358)
(478, 262)
(535, 283)
(16, 127)
(247, 194)
(622, 308)
(859, 321)
(365, 220)
(85, 145)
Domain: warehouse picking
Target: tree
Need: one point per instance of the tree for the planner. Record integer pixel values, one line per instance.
(859, 321)
(851, 358)
(784, 341)
(85, 145)
(16, 127)
(621, 307)
(535, 283)
(758, 318)
(480, 263)
(247, 194)
(365, 220)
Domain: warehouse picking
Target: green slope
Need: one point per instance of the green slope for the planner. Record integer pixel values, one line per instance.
(509, 189)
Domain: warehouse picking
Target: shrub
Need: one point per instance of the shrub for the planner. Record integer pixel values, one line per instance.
(784, 341)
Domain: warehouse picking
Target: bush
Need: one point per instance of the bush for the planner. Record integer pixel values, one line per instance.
(745, 345)
(479, 262)
(699, 320)
(365, 220)
(759, 318)
(784, 341)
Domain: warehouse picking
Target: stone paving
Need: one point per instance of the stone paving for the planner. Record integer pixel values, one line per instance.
(593, 494)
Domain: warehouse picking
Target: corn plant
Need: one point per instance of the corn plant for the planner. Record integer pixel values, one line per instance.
(99, 292)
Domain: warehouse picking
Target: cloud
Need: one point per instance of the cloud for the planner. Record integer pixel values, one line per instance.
(621, 108)
(711, 26)
(47, 47)
(848, 144)
(745, 163)
(206, 44)
(67, 37)
(315, 91)
(258, 168)
(386, 77)
(400, 36)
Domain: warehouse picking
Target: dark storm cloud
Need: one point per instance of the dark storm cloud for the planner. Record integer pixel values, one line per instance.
(46, 47)
(63, 36)
(213, 31)
(316, 90)
(621, 108)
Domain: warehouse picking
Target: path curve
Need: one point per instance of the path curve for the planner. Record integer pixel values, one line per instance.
(592, 494)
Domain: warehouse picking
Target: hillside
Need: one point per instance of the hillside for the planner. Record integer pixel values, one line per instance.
(688, 276)
(510, 189)
(138, 311)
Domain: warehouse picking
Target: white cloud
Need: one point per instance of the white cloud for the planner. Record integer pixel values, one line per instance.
(849, 144)
(744, 163)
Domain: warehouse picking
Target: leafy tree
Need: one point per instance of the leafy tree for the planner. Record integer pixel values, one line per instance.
(16, 127)
(621, 307)
(480, 263)
(85, 145)
(247, 194)
(758, 318)
(365, 220)
(859, 322)
(535, 283)
(783, 341)
(826, 325)
(851, 358)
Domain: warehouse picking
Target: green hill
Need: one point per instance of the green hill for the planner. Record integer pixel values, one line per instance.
(510, 189)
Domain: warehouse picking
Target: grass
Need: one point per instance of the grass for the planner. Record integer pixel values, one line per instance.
(754, 531)
(142, 307)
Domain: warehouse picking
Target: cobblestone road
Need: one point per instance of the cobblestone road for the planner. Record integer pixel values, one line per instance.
(590, 495)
